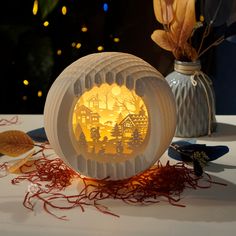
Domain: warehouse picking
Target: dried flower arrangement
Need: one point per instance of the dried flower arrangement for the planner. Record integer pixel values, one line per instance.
(178, 18)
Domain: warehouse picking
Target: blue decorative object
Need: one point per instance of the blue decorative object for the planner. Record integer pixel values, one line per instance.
(196, 154)
(105, 7)
(38, 135)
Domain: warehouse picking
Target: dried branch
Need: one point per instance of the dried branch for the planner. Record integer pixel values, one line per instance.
(217, 42)
(121, 103)
(208, 28)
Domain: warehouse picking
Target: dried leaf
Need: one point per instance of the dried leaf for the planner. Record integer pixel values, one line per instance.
(184, 23)
(14, 143)
(185, 53)
(15, 167)
(190, 52)
(163, 39)
(163, 10)
(177, 52)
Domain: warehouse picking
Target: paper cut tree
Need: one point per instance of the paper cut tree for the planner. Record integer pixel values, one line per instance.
(135, 140)
(116, 132)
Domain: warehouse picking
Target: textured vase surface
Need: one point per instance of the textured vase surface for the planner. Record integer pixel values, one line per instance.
(194, 97)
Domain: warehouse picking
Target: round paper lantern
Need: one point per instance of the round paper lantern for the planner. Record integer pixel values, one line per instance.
(110, 115)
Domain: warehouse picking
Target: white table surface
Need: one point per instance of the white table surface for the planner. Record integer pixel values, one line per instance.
(208, 211)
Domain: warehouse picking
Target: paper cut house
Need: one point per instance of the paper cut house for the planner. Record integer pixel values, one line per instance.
(132, 122)
(86, 117)
(93, 102)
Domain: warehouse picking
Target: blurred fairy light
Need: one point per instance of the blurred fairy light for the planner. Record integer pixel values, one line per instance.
(64, 10)
(100, 48)
(35, 7)
(24, 98)
(40, 93)
(116, 40)
(46, 23)
(202, 18)
(78, 45)
(25, 82)
(59, 52)
(105, 7)
(84, 29)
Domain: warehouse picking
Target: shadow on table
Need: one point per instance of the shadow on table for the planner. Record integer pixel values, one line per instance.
(215, 204)
(216, 168)
(224, 132)
(17, 211)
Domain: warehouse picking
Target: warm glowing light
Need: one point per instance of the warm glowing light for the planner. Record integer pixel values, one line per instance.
(59, 52)
(116, 40)
(100, 48)
(24, 98)
(73, 44)
(46, 23)
(64, 10)
(78, 45)
(84, 29)
(116, 90)
(35, 7)
(25, 82)
(40, 93)
(202, 18)
(110, 121)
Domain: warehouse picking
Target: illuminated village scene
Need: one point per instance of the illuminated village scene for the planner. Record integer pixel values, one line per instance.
(110, 122)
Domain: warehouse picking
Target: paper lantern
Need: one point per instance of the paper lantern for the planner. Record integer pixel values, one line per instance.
(110, 115)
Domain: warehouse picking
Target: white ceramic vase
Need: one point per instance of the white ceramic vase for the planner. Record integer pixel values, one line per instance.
(194, 97)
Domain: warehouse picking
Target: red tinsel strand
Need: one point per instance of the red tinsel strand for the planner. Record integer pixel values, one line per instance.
(3, 169)
(147, 188)
(53, 171)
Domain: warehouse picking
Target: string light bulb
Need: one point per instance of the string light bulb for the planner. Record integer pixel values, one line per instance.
(78, 45)
(64, 10)
(100, 48)
(84, 29)
(116, 40)
(59, 52)
(45, 23)
(105, 7)
(40, 93)
(35, 7)
(25, 82)
(201, 18)
(73, 44)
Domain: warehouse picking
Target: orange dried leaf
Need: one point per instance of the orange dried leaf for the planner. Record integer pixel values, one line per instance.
(163, 39)
(163, 10)
(14, 143)
(185, 21)
(190, 52)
